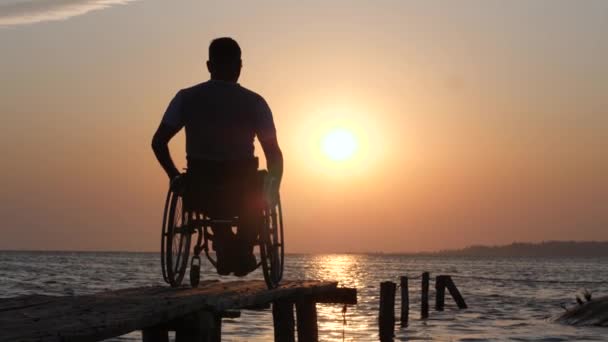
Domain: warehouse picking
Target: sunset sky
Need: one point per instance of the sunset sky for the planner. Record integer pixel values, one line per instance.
(475, 122)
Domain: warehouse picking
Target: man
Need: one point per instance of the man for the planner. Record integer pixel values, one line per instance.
(221, 120)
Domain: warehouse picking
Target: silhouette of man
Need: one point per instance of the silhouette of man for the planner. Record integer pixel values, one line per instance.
(221, 120)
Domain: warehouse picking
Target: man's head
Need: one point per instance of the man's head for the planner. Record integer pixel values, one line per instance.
(224, 59)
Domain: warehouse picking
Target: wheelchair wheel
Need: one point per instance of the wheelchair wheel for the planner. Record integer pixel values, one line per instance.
(175, 240)
(272, 246)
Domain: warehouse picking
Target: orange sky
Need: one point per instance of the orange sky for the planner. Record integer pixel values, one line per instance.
(479, 121)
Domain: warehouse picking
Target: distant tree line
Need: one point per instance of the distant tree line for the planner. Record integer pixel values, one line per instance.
(543, 249)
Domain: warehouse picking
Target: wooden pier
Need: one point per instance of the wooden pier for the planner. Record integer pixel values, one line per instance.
(195, 314)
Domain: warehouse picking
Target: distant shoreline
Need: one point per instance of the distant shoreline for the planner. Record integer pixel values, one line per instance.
(549, 249)
(526, 249)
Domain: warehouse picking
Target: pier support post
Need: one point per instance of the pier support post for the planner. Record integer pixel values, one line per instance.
(440, 292)
(449, 283)
(155, 334)
(306, 313)
(405, 301)
(202, 326)
(424, 299)
(387, 311)
(284, 323)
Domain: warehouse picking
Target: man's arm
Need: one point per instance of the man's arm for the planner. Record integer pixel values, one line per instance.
(160, 145)
(267, 135)
(274, 157)
(172, 122)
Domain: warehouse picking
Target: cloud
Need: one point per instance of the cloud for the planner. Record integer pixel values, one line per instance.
(19, 12)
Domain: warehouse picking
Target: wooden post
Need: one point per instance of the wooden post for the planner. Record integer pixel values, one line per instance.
(284, 324)
(387, 311)
(455, 293)
(155, 334)
(424, 299)
(202, 326)
(440, 292)
(306, 315)
(405, 302)
(215, 331)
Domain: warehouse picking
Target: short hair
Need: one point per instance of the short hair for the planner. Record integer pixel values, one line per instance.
(224, 50)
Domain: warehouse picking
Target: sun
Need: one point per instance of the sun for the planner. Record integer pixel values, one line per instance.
(339, 144)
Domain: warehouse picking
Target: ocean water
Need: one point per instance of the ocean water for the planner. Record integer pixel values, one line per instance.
(508, 298)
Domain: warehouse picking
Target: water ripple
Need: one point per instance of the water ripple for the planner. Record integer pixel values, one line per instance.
(508, 298)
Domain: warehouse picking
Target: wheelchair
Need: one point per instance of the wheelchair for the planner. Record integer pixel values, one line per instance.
(182, 225)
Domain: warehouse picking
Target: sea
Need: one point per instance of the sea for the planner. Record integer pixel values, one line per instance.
(509, 299)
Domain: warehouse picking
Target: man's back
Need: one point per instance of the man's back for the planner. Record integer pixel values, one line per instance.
(221, 120)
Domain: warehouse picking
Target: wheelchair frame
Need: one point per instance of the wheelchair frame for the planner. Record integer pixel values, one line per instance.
(179, 225)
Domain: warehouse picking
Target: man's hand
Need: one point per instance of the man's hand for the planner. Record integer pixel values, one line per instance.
(178, 184)
(274, 159)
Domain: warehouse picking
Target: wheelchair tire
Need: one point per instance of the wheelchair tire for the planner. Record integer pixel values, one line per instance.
(163, 236)
(272, 246)
(175, 240)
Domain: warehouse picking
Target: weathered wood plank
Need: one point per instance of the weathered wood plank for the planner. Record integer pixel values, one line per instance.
(340, 295)
(109, 314)
(22, 302)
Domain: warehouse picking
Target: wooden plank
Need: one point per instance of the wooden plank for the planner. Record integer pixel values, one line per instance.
(283, 321)
(306, 315)
(22, 302)
(109, 314)
(340, 295)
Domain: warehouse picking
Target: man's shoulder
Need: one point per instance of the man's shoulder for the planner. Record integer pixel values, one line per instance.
(233, 88)
(251, 93)
(194, 88)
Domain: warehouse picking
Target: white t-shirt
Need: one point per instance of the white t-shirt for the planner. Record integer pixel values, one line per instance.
(221, 119)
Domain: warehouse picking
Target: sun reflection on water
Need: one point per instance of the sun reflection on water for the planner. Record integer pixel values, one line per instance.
(343, 268)
(347, 270)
